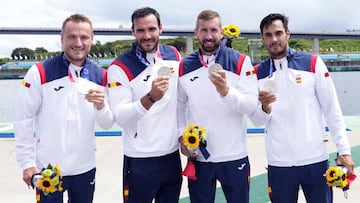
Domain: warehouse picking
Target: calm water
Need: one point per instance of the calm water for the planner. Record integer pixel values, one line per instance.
(347, 84)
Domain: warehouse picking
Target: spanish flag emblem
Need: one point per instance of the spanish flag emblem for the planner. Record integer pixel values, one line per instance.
(298, 79)
(37, 196)
(126, 192)
(269, 191)
(114, 84)
(26, 84)
(250, 72)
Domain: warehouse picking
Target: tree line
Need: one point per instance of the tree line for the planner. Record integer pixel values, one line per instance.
(113, 49)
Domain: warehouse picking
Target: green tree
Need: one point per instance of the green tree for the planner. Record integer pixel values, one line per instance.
(40, 50)
(22, 54)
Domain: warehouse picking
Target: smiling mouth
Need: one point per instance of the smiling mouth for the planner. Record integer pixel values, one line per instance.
(76, 49)
(149, 42)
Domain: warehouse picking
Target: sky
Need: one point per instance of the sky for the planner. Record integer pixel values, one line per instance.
(304, 15)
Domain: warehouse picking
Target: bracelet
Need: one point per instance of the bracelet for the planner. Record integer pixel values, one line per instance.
(150, 98)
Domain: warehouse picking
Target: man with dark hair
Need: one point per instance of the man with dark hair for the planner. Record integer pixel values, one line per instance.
(63, 97)
(142, 88)
(296, 93)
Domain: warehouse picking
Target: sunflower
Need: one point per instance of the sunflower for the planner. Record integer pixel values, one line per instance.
(46, 185)
(336, 177)
(191, 140)
(231, 31)
(332, 174)
(190, 128)
(51, 180)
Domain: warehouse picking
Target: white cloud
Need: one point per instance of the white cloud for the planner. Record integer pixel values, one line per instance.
(306, 15)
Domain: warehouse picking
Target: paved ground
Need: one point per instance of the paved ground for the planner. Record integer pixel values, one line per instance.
(109, 168)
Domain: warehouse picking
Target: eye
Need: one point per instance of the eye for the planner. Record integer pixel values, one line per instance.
(153, 29)
(85, 37)
(267, 35)
(140, 30)
(279, 33)
(71, 37)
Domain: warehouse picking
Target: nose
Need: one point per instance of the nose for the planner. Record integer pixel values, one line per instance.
(77, 41)
(274, 38)
(147, 35)
(208, 35)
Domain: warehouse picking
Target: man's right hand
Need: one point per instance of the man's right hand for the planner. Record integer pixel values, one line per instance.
(159, 86)
(184, 150)
(266, 99)
(28, 173)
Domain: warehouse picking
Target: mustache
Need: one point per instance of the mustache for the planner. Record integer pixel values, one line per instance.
(147, 40)
(209, 40)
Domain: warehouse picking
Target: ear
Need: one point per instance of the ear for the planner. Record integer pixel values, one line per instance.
(195, 33)
(61, 38)
(160, 28)
(288, 34)
(132, 31)
(222, 33)
(262, 38)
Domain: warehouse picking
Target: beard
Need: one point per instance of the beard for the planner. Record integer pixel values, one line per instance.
(278, 51)
(149, 46)
(207, 48)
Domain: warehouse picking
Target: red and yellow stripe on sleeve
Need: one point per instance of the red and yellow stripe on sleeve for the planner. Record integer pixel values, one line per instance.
(114, 84)
(250, 72)
(26, 84)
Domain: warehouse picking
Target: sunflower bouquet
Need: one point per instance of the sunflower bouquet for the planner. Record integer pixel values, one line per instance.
(49, 180)
(231, 32)
(336, 176)
(194, 137)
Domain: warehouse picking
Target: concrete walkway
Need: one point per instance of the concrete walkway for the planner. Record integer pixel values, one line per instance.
(109, 172)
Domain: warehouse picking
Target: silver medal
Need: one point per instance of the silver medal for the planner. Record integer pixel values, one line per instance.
(214, 67)
(270, 86)
(164, 71)
(83, 86)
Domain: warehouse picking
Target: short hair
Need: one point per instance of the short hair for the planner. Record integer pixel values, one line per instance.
(271, 17)
(208, 15)
(77, 18)
(143, 12)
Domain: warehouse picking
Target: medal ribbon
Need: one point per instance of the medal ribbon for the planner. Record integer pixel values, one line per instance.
(204, 63)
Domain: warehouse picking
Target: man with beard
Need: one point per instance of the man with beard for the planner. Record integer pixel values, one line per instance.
(50, 101)
(142, 88)
(220, 101)
(297, 92)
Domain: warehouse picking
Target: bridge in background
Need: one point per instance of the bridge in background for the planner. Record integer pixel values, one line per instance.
(186, 32)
